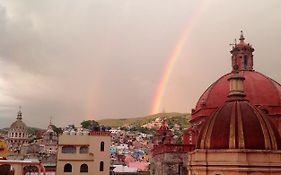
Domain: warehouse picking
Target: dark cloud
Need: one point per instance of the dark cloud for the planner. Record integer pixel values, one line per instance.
(75, 60)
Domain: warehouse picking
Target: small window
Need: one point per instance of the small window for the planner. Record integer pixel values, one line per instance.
(84, 168)
(101, 165)
(245, 61)
(67, 168)
(69, 149)
(102, 146)
(84, 150)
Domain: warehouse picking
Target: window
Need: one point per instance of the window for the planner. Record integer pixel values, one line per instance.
(245, 61)
(69, 149)
(101, 165)
(84, 150)
(84, 168)
(67, 168)
(102, 146)
(190, 138)
(16, 135)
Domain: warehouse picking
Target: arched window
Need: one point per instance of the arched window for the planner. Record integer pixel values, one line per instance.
(84, 168)
(69, 149)
(16, 135)
(84, 150)
(101, 165)
(67, 168)
(245, 61)
(102, 146)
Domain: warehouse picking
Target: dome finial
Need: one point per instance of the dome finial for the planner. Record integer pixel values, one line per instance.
(241, 36)
(19, 116)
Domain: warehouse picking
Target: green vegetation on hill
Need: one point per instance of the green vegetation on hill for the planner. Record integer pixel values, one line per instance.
(171, 118)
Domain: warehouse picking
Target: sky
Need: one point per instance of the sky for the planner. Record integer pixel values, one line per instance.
(94, 59)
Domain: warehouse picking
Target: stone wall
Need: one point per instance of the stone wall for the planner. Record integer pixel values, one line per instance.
(169, 164)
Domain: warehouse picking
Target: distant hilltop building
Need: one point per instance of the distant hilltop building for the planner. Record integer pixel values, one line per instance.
(153, 124)
(17, 134)
(84, 153)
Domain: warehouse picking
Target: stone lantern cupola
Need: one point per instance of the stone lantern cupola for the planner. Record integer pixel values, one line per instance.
(242, 54)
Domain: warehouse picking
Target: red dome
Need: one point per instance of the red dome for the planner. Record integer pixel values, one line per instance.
(239, 125)
(260, 90)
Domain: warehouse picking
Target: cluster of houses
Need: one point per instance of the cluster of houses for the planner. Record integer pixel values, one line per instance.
(130, 150)
(126, 151)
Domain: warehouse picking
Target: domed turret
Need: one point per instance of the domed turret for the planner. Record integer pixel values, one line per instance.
(17, 134)
(238, 124)
(262, 91)
(238, 138)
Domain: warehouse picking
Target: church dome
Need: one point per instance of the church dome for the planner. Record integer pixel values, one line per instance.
(238, 124)
(260, 89)
(18, 125)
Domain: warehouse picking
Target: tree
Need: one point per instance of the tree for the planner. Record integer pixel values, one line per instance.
(57, 130)
(90, 124)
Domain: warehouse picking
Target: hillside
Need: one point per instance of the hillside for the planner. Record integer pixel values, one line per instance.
(171, 118)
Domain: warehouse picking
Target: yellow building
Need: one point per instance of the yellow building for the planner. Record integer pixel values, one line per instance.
(83, 153)
(4, 152)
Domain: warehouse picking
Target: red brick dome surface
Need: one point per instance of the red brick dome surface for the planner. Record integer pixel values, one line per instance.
(239, 125)
(260, 90)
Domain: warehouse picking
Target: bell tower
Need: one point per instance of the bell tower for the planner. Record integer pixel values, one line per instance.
(242, 54)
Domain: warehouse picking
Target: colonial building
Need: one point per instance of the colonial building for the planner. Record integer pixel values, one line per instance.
(262, 91)
(84, 153)
(238, 138)
(167, 157)
(17, 134)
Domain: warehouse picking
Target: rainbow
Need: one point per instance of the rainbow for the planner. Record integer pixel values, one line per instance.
(172, 59)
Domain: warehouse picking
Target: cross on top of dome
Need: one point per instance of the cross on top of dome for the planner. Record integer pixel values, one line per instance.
(19, 116)
(241, 36)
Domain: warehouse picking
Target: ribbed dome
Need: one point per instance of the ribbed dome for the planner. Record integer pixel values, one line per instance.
(239, 125)
(260, 89)
(18, 126)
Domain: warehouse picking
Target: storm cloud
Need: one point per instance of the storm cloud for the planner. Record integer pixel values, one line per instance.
(93, 59)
